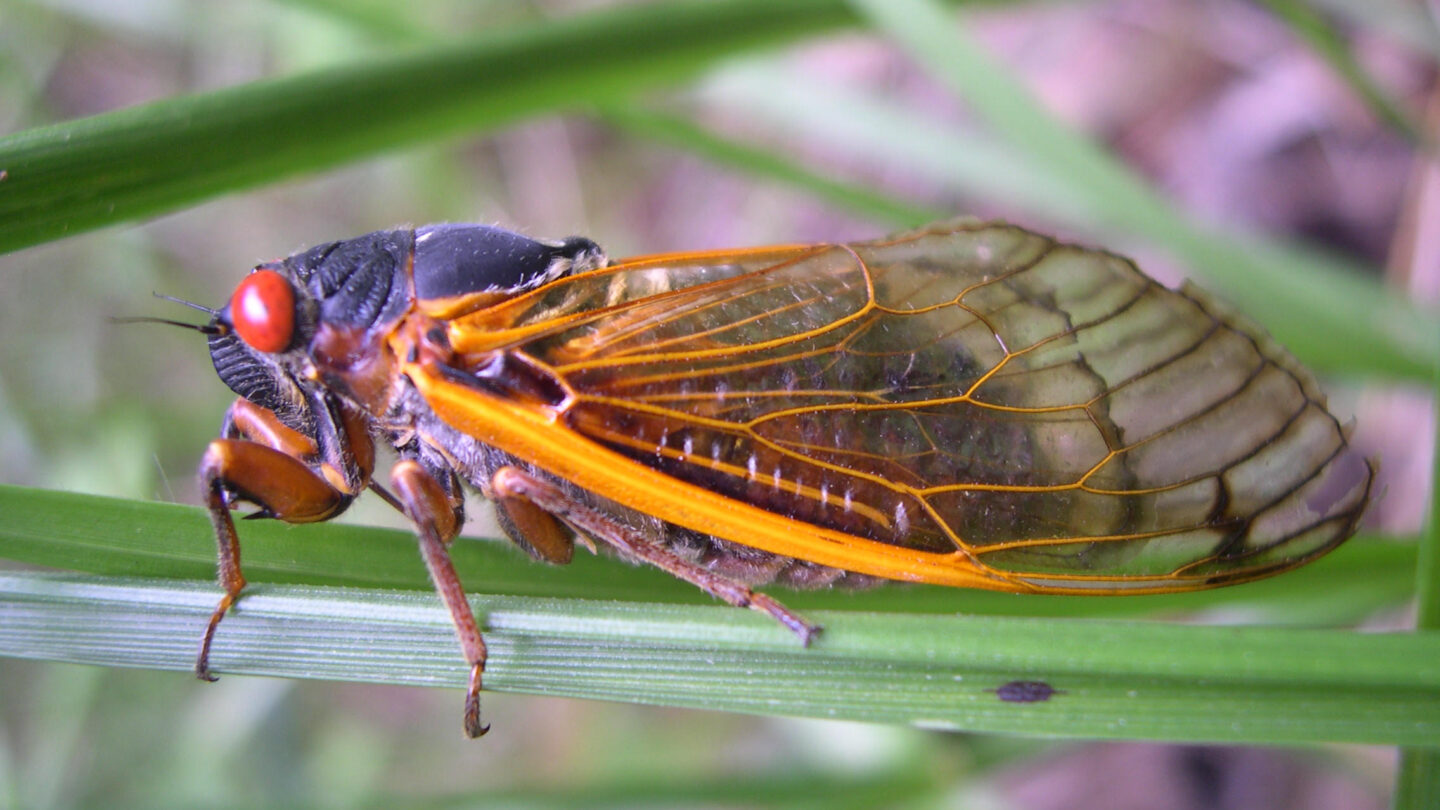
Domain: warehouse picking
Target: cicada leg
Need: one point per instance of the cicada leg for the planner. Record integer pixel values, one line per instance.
(437, 515)
(286, 473)
(511, 483)
(535, 530)
(265, 469)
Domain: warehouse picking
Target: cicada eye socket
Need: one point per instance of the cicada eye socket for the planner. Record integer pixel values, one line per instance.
(262, 311)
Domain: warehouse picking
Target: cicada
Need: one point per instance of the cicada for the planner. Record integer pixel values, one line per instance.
(969, 404)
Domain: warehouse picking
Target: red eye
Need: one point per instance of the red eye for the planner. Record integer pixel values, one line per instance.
(263, 311)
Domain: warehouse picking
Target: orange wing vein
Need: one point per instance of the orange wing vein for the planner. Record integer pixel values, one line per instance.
(977, 396)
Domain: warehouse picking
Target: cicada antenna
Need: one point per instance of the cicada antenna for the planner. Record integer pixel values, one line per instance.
(211, 328)
(202, 328)
(207, 310)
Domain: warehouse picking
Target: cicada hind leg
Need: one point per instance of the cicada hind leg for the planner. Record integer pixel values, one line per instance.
(288, 474)
(511, 485)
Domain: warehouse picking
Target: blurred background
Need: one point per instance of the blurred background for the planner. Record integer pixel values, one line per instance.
(1222, 105)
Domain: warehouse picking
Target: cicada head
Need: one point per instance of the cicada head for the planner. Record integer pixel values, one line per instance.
(308, 319)
(324, 316)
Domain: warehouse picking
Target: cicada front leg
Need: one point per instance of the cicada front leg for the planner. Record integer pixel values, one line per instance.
(289, 475)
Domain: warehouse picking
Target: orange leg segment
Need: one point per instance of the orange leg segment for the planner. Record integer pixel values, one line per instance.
(283, 487)
(534, 529)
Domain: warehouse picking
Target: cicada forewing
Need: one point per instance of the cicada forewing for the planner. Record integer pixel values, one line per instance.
(970, 404)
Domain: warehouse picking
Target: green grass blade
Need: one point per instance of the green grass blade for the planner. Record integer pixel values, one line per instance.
(942, 45)
(117, 537)
(601, 630)
(685, 134)
(1327, 42)
(1117, 680)
(1417, 783)
(1309, 305)
(1406, 22)
(773, 788)
(70, 177)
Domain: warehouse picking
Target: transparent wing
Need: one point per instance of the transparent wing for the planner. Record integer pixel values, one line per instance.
(1048, 409)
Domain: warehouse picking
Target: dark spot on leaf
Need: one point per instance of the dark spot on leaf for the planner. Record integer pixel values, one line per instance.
(1025, 691)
